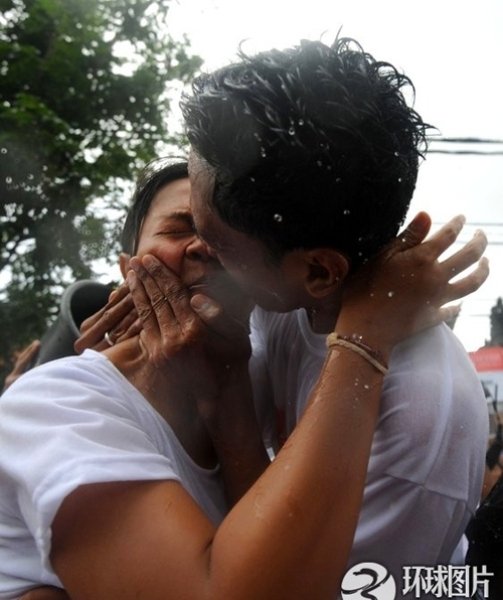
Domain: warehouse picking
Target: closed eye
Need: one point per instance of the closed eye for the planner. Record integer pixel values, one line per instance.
(177, 225)
(177, 232)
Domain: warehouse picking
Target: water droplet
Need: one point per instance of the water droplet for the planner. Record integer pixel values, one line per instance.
(252, 179)
(366, 386)
(346, 212)
(399, 180)
(319, 163)
(4, 150)
(8, 180)
(391, 294)
(277, 217)
(300, 122)
(396, 153)
(132, 99)
(263, 153)
(291, 131)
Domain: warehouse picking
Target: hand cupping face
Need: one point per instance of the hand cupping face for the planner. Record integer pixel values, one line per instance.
(407, 284)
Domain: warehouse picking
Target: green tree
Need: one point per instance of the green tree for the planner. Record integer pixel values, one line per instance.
(84, 101)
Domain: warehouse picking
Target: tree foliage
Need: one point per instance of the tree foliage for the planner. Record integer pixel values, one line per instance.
(84, 100)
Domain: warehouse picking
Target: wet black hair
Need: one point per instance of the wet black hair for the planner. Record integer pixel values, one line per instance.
(310, 146)
(154, 176)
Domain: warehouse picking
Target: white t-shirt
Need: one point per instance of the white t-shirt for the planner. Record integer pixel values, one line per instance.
(427, 459)
(70, 422)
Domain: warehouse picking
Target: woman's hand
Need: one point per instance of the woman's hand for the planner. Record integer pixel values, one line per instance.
(24, 360)
(115, 322)
(172, 317)
(195, 333)
(406, 286)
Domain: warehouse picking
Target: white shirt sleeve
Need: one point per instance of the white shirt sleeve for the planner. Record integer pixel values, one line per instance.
(72, 422)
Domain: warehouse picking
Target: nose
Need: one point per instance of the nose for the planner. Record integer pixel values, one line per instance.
(199, 250)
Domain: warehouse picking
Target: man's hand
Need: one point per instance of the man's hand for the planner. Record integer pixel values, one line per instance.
(406, 286)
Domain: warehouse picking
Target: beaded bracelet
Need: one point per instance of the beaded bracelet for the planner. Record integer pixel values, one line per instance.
(356, 345)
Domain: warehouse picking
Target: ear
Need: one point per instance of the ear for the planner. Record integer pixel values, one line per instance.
(326, 270)
(124, 263)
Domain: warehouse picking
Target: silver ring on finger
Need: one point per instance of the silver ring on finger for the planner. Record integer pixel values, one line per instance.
(108, 339)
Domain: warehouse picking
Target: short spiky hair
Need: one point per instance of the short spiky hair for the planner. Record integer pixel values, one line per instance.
(311, 146)
(154, 176)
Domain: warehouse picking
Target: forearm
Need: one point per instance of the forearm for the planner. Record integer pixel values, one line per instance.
(232, 425)
(296, 524)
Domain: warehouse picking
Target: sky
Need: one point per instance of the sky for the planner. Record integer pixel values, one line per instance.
(451, 49)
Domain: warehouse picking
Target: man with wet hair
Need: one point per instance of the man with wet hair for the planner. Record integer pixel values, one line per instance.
(303, 165)
(314, 134)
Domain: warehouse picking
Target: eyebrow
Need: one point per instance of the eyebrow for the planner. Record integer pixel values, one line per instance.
(180, 215)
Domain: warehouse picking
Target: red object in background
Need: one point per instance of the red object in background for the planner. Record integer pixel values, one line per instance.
(488, 358)
(488, 362)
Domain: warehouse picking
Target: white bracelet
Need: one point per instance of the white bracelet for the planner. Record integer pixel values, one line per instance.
(370, 355)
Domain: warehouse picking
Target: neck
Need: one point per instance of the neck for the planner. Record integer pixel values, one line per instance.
(323, 317)
(178, 407)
